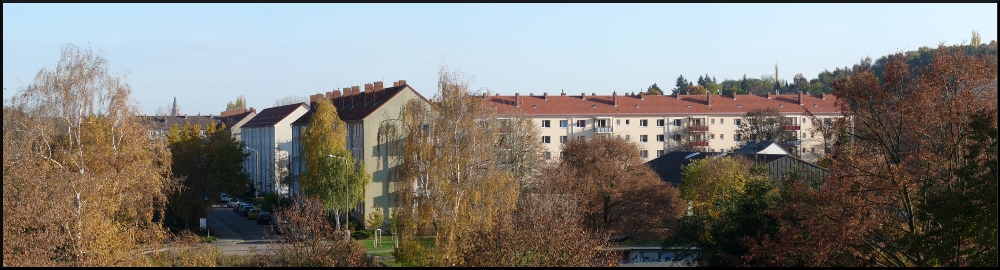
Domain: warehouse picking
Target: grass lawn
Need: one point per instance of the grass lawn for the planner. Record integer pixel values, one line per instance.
(385, 245)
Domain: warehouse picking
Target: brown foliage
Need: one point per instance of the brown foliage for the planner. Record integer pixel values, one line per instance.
(83, 184)
(909, 135)
(309, 239)
(618, 193)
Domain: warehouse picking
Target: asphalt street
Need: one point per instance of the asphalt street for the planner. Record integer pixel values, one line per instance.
(237, 233)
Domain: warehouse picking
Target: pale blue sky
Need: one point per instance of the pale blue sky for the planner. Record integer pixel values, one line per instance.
(207, 54)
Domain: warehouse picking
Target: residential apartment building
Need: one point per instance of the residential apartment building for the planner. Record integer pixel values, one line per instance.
(666, 123)
(268, 135)
(363, 113)
(235, 119)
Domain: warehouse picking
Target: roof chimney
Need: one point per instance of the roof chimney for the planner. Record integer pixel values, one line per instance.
(823, 95)
(517, 100)
(355, 91)
(614, 98)
(312, 98)
(708, 98)
(563, 93)
(642, 96)
(402, 82)
(800, 98)
(484, 95)
(545, 95)
(677, 95)
(329, 95)
(378, 86)
(336, 94)
(734, 95)
(583, 96)
(768, 94)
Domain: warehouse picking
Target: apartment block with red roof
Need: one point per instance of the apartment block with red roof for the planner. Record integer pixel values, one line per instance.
(666, 123)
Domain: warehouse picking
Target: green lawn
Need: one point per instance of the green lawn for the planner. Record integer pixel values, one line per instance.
(385, 245)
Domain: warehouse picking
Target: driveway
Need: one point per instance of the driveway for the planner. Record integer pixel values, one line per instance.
(237, 233)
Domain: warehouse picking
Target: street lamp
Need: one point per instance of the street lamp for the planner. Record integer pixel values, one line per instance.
(346, 192)
(256, 167)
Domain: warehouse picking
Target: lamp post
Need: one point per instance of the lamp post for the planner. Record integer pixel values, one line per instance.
(256, 167)
(346, 192)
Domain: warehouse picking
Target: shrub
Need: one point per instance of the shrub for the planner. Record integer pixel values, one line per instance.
(375, 218)
(270, 201)
(362, 234)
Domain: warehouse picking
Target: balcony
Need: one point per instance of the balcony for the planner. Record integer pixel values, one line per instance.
(699, 128)
(792, 127)
(794, 142)
(604, 129)
(700, 143)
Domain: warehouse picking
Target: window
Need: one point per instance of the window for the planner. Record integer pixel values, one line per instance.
(626, 122)
(545, 124)
(562, 139)
(677, 137)
(643, 123)
(677, 122)
(548, 155)
(563, 123)
(803, 135)
(546, 139)
(618, 122)
(803, 120)
(713, 121)
(722, 136)
(722, 121)
(644, 154)
(661, 122)
(581, 123)
(628, 137)
(713, 136)
(659, 137)
(659, 153)
(736, 122)
(812, 135)
(643, 138)
(736, 137)
(812, 150)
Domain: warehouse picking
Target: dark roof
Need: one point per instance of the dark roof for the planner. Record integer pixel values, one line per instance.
(559, 105)
(753, 147)
(270, 116)
(304, 119)
(166, 121)
(233, 119)
(668, 166)
(357, 107)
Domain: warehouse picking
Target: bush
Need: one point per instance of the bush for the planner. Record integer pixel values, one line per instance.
(362, 234)
(269, 202)
(375, 218)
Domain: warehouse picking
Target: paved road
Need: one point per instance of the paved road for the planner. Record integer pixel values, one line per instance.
(237, 233)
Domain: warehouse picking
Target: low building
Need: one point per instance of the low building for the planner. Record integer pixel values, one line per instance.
(160, 124)
(235, 119)
(768, 154)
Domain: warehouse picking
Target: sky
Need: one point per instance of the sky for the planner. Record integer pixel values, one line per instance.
(208, 54)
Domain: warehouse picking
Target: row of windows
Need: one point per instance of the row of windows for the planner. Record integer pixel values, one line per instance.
(659, 122)
(645, 138)
(642, 153)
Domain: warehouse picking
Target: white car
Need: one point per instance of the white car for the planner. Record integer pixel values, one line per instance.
(225, 198)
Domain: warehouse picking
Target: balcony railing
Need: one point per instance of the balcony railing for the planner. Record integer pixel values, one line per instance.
(604, 129)
(699, 143)
(699, 128)
(792, 127)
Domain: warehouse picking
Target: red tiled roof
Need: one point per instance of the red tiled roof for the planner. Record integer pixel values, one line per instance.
(270, 116)
(661, 104)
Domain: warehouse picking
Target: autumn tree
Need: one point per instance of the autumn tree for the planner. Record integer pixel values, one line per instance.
(83, 184)
(765, 125)
(290, 99)
(451, 181)
(618, 193)
(328, 163)
(707, 182)
(240, 103)
(519, 150)
(305, 239)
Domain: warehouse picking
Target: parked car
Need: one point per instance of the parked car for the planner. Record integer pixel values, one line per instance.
(224, 198)
(246, 210)
(253, 213)
(240, 206)
(264, 218)
(233, 202)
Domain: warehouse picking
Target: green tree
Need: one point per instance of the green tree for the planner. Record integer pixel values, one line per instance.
(324, 175)
(707, 182)
(205, 166)
(681, 85)
(240, 103)
(654, 90)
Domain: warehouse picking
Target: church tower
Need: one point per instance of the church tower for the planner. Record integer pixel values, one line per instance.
(174, 111)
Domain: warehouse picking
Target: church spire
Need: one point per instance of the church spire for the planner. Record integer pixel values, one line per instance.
(174, 111)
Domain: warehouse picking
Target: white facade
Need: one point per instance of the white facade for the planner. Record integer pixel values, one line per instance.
(268, 143)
